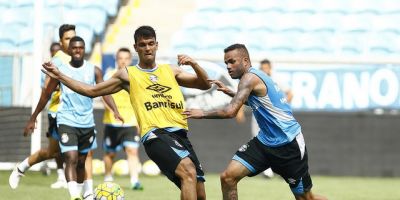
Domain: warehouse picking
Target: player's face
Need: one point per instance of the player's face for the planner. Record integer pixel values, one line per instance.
(266, 68)
(123, 59)
(146, 49)
(66, 38)
(234, 64)
(77, 50)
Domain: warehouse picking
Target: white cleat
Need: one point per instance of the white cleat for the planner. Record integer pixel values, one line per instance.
(59, 184)
(15, 176)
(108, 179)
(88, 197)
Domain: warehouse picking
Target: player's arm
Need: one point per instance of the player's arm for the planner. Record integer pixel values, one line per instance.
(109, 101)
(199, 81)
(245, 87)
(112, 85)
(222, 87)
(44, 98)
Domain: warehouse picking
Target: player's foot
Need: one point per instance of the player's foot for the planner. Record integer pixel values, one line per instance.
(88, 197)
(60, 183)
(15, 176)
(108, 178)
(76, 198)
(137, 186)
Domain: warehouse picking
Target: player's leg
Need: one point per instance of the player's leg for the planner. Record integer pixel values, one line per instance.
(201, 191)
(186, 172)
(61, 182)
(71, 164)
(231, 177)
(43, 154)
(310, 196)
(132, 154)
(128, 137)
(108, 159)
(87, 143)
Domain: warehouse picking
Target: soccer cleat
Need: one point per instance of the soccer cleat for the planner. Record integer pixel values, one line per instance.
(89, 196)
(137, 186)
(108, 178)
(59, 184)
(15, 176)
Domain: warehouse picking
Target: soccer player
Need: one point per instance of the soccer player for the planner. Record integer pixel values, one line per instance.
(158, 103)
(66, 32)
(279, 144)
(119, 135)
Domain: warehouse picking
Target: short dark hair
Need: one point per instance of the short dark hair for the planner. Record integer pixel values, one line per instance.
(145, 32)
(241, 47)
(76, 39)
(64, 28)
(53, 45)
(124, 49)
(265, 61)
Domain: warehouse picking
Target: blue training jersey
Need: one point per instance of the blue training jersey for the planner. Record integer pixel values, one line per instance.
(76, 110)
(273, 114)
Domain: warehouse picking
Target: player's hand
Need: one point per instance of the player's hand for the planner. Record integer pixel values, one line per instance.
(29, 128)
(185, 60)
(221, 87)
(193, 113)
(118, 117)
(51, 70)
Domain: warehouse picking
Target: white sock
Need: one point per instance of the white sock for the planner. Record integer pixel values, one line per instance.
(24, 165)
(87, 187)
(108, 178)
(134, 179)
(80, 188)
(73, 189)
(61, 174)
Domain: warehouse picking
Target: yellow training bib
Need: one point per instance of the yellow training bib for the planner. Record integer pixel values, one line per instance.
(123, 103)
(55, 97)
(156, 98)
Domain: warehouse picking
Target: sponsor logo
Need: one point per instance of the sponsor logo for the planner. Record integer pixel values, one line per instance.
(177, 144)
(159, 88)
(291, 181)
(243, 148)
(64, 138)
(163, 104)
(153, 78)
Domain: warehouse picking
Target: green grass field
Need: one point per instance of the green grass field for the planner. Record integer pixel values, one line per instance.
(36, 186)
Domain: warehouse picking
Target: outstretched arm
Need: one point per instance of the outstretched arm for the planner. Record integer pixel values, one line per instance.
(50, 86)
(107, 98)
(199, 81)
(245, 87)
(112, 85)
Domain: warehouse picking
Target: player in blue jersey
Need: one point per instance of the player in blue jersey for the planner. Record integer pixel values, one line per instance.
(279, 143)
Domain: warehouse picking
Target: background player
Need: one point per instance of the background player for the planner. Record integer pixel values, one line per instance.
(118, 135)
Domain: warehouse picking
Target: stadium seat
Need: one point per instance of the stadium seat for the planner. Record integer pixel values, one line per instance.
(23, 3)
(111, 7)
(378, 44)
(209, 5)
(268, 5)
(23, 16)
(198, 21)
(302, 6)
(333, 6)
(87, 34)
(95, 18)
(312, 44)
(227, 21)
(231, 6)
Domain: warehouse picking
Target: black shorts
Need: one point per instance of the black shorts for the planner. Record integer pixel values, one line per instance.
(76, 139)
(168, 149)
(116, 138)
(52, 131)
(290, 161)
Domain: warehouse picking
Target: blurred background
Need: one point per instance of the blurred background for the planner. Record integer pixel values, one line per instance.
(340, 59)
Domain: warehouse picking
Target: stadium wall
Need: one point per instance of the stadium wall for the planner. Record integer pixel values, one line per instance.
(339, 143)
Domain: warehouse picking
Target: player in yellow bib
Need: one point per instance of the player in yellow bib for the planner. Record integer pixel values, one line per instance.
(158, 103)
(118, 135)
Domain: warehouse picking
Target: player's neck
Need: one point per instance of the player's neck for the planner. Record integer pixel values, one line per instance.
(76, 63)
(144, 65)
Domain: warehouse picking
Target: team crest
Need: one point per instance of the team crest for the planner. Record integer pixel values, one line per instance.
(158, 88)
(243, 148)
(64, 138)
(153, 78)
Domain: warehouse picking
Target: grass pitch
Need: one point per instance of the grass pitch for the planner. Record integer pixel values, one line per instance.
(36, 186)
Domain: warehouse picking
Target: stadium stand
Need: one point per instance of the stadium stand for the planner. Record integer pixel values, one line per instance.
(306, 27)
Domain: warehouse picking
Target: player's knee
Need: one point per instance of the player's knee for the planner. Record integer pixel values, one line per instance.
(130, 151)
(187, 171)
(44, 153)
(80, 165)
(227, 178)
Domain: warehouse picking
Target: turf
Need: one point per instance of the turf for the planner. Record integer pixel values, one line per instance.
(36, 186)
